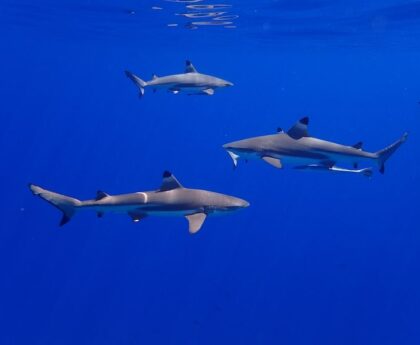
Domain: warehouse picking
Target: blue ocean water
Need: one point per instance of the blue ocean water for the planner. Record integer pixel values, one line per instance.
(316, 259)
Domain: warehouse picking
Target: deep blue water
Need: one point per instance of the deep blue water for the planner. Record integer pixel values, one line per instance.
(316, 259)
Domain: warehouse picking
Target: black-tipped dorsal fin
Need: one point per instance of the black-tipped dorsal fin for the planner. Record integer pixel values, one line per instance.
(358, 145)
(189, 68)
(300, 129)
(169, 182)
(100, 195)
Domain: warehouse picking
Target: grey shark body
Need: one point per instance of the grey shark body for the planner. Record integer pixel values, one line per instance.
(191, 82)
(172, 199)
(297, 149)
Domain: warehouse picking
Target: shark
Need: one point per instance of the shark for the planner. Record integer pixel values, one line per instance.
(191, 82)
(297, 149)
(171, 199)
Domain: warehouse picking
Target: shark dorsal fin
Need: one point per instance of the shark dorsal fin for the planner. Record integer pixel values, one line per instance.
(154, 76)
(300, 129)
(169, 182)
(189, 68)
(100, 195)
(358, 145)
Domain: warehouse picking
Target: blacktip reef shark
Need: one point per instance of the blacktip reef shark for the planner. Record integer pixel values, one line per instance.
(172, 199)
(301, 151)
(191, 82)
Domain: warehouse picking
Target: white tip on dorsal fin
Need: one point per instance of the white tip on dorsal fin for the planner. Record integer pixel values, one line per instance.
(154, 76)
(195, 221)
(169, 182)
(189, 68)
(300, 129)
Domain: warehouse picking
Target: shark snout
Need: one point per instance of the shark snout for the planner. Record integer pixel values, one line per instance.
(232, 145)
(228, 83)
(240, 203)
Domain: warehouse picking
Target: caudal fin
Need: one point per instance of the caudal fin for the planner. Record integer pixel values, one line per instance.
(141, 84)
(387, 152)
(64, 203)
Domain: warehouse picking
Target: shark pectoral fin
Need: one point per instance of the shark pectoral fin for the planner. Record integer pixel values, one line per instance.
(300, 129)
(174, 91)
(275, 162)
(234, 157)
(195, 221)
(136, 216)
(209, 92)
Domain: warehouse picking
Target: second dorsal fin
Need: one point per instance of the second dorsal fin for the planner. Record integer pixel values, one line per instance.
(169, 182)
(100, 195)
(300, 129)
(358, 145)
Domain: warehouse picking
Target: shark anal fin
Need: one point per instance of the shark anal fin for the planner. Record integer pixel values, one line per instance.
(300, 129)
(100, 195)
(208, 92)
(275, 162)
(189, 68)
(195, 221)
(169, 182)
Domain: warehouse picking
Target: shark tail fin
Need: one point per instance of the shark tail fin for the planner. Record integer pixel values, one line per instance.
(67, 205)
(384, 154)
(141, 84)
